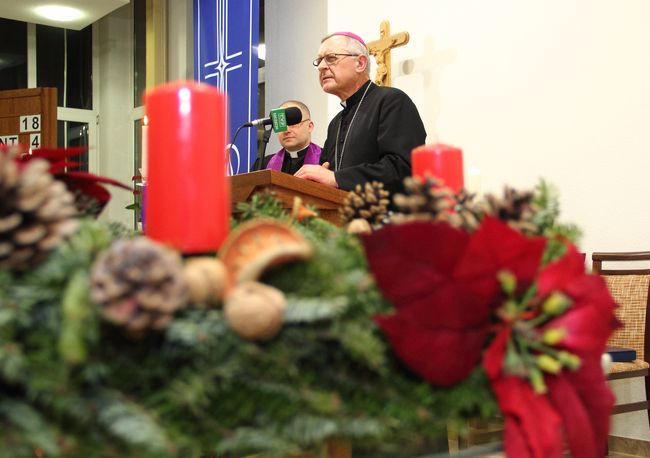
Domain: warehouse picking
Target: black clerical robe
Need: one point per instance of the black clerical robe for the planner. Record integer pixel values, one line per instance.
(387, 126)
(289, 164)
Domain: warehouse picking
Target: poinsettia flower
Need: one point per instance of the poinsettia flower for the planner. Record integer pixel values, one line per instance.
(87, 187)
(532, 426)
(580, 398)
(449, 291)
(444, 285)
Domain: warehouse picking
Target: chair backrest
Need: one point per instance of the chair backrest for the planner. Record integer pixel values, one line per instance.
(630, 287)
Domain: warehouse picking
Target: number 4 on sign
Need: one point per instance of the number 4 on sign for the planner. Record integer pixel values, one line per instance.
(35, 141)
(30, 123)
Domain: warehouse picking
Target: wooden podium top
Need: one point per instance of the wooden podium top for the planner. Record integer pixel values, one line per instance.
(285, 187)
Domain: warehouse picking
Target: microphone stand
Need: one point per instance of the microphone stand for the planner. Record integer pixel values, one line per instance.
(262, 150)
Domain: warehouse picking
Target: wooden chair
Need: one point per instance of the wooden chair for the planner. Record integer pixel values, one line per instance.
(630, 287)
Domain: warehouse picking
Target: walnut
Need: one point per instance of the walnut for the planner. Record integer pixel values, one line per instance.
(255, 311)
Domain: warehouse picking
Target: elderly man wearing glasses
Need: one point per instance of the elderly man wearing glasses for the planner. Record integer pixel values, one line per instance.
(372, 137)
(297, 147)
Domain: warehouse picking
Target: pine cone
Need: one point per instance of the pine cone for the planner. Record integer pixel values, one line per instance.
(423, 201)
(138, 284)
(516, 208)
(369, 202)
(36, 212)
(467, 213)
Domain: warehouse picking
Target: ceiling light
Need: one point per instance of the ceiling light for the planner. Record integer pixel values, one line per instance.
(59, 13)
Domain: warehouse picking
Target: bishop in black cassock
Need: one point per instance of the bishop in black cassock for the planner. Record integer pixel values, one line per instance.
(372, 137)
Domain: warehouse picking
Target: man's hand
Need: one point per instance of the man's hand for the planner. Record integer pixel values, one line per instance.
(318, 173)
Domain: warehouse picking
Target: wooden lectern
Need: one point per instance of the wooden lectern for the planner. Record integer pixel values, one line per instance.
(325, 199)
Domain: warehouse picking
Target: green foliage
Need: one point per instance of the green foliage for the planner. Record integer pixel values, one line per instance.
(261, 204)
(73, 385)
(547, 200)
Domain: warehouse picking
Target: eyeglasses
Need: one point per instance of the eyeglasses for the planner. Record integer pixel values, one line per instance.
(300, 123)
(331, 59)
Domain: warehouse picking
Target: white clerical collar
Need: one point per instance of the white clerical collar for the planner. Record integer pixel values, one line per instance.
(294, 154)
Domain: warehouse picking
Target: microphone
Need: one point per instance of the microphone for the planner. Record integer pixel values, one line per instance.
(280, 118)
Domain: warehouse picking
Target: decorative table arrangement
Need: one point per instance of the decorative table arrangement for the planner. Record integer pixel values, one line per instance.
(279, 334)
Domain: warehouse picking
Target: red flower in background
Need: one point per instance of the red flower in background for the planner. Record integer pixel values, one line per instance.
(445, 287)
(90, 196)
(453, 292)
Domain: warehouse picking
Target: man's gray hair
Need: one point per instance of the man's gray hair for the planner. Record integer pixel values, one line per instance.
(353, 47)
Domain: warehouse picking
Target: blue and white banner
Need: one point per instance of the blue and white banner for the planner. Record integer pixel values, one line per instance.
(226, 37)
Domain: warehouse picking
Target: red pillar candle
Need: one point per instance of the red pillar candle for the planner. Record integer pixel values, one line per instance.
(188, 195)
(439, 161)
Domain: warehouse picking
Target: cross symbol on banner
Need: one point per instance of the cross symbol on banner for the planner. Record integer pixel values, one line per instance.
(380, 50)
(225, 63)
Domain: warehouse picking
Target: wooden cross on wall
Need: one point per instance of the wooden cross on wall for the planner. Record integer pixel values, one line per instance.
(380, 50)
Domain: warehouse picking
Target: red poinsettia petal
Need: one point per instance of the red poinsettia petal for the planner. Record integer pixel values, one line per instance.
(443, 357)
(91, 177)
(407, 260)
(561, 272)
(587, 330)
(590, 319)
(495, 247)
(588, 323)
(597, 398)
(575, 418)
(514, 439)
(494, 355)
(57, 154)
(535, 422)
(97, 192)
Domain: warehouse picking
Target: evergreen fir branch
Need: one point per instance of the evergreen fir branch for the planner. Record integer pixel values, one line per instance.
(362, 343)
(76, 319)
(13, 363)
(77, 253)
(547, 200)
(308, 430)
(120, 230)
(130, 423)
(31, 425)
(360, 428)
(261, 205)
(6, 280)
(309, 310)
(192, 392)
(252, 440)
(198, 328)
(322, 402)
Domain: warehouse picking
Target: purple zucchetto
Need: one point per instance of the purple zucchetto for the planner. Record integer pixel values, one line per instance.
(354, 36)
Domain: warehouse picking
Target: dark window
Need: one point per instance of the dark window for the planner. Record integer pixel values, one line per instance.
(62, 53)
(139, 51)
(79, 92)
(50, 59)
(73, 134)
(13, 54)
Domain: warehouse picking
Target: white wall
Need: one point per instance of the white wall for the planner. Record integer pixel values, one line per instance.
(293, 30)
(180, 46)
(115, 105)
(540, 88)
(543, 88)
